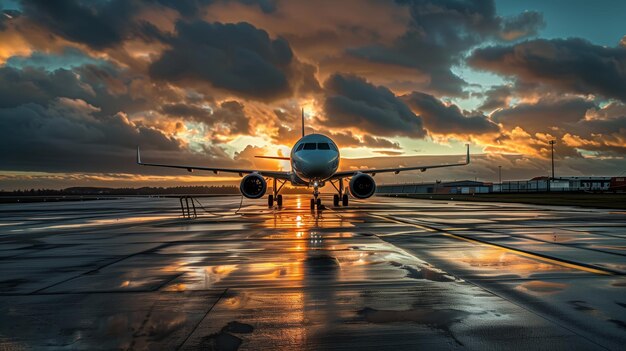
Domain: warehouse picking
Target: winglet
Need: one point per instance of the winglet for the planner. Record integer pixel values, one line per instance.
(138, 156)
(467, 160)
(303, 121)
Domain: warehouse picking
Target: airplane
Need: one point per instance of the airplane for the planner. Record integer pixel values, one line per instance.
(314, 161)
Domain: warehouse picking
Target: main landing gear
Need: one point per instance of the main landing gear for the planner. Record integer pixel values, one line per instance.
(341, 194)
(278, 199)
(276, 196)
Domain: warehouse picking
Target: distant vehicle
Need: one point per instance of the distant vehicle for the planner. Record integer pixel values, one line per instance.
(314, 161)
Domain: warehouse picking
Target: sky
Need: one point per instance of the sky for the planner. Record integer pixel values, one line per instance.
(216, 82)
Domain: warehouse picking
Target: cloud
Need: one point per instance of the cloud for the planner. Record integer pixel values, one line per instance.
(389, 153)
(347, 139)
(442, 119)
(67, 136)
(352, 102)
(527, 23)
(545, 115)
(238, 58)
(570, 65)
(248, 155)
(440, 33)
(229, 114)
(376, 142)
(107, 86)
(98, 24)
(496, 97)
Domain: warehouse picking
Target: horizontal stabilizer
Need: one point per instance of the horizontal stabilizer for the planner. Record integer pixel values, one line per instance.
(275, 157)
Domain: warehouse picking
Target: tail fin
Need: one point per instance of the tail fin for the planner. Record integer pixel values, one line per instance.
(302, 121)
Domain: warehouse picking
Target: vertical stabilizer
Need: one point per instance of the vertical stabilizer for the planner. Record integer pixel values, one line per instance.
(302, 121)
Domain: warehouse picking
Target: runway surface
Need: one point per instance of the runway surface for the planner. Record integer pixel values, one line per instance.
(381, 274)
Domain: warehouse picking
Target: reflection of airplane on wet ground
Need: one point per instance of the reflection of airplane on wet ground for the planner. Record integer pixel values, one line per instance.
(314, 161)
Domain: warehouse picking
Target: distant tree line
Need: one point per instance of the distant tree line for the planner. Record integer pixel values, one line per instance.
(77, 191)
(224, 189)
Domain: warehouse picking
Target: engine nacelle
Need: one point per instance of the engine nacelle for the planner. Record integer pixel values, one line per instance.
(253, 186)
(362, 186)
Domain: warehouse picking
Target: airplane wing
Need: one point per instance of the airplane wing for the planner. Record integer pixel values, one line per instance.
(270, 174)
(397, 170)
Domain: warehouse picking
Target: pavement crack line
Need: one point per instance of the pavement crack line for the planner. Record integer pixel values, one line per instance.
(99, 268)
(202, 319)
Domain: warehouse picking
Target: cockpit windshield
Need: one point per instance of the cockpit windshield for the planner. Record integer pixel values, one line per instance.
(316, 146)
(323, 146)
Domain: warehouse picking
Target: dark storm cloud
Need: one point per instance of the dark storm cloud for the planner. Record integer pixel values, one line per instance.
(347, 139)
(194, 8)
(229, 113)
(376, 142)
(68, 136)
(352, 102)
(496, 97)
(19, 87)
(103, 86)
(525, 24)
(571, 65)
(99, 24)
(544, 115)
(6, 16)
(441, 32)
(439, 118)
(187, 8)
(235, 57)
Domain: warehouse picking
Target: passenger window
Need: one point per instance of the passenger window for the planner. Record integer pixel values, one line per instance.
(309, 146)
(300, 147)
(323, 146)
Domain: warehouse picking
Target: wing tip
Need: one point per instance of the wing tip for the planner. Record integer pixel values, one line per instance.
(467, 159)
(138, 156)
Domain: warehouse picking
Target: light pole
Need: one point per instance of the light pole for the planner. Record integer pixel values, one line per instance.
(552, 142)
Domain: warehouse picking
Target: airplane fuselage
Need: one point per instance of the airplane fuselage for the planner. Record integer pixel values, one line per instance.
(314, 158)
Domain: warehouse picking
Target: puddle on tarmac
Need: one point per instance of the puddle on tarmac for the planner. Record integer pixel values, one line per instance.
(539, 287)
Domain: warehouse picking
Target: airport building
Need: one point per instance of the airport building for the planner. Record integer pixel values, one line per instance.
(538, 184)
(456, 187)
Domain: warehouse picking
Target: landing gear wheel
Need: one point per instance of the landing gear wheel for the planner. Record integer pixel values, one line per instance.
(279, 200)
(335, 200)
(319, 204)
(270, 200)
(344, 200)
(312, 204)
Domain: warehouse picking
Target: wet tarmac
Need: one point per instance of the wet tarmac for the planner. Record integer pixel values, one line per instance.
(381, 274)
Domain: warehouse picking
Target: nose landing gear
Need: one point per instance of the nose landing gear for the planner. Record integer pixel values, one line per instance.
(316, 201)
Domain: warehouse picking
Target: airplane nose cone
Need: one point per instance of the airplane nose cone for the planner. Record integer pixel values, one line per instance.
(318, 166)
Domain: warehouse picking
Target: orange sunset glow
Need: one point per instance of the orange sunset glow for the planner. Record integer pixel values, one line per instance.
(216, 83)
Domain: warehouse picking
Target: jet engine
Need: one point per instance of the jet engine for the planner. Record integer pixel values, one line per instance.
(362, 186)
(253, 186)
